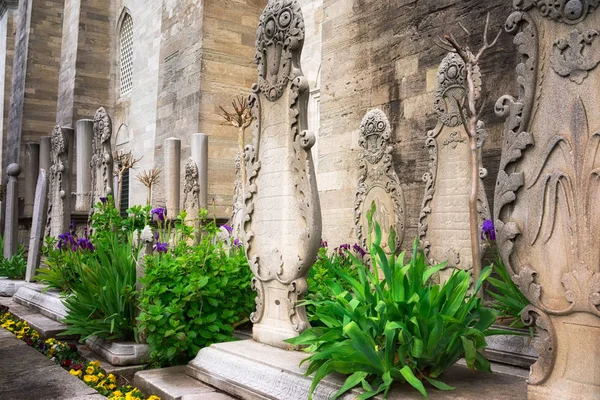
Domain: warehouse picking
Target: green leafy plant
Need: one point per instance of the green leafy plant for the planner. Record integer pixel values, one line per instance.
(14, 267)
(193, 296)
(401, 328)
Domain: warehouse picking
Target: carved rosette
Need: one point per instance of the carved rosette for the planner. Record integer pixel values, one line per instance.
(191, 190)
(446, 200)
(378, 181)
(547, 198)
(282, 217)
(57, 190)
(102, 159)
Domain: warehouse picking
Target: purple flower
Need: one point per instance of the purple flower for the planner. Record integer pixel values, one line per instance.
(65, 240)
(359, 250)
(229, 228)
(72, 227)
(237, 242)
(85, 244)
(156, 235)
(160, 213)
(324, 243)
(104, 200)
(487, 230)
(161, 247)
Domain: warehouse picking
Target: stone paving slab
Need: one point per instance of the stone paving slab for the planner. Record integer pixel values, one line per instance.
(9, 287)
(26, 374)
(46, 327)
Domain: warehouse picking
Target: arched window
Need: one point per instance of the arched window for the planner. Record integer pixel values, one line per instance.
(126, 50)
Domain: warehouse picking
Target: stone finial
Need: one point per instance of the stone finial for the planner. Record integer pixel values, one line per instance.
(378, 181)
(101, 162)
(13, 170)
(447, 183)
(546, 201)
(282, 223)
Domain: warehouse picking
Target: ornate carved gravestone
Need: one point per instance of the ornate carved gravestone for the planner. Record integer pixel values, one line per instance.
(237, 214)
(378, 182)
(444, 225)
(102, 159)
(191, 192)
(59, 192)
(282, 225)
(547, 199)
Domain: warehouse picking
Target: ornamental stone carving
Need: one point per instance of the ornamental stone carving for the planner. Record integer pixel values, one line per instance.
(378, 182)
(102, 159)
(444, 224)
(547, 199)
(282, 222)
(191, 192)
(237, 214)
(59, 192)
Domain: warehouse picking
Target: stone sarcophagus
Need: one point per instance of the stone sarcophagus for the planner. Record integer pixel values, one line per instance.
(547, 199)
(378, 183)
(282, 219)
(444, 223)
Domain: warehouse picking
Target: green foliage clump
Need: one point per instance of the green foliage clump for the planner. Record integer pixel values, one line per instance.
(14, 267)
(194, 295)
(401, 328)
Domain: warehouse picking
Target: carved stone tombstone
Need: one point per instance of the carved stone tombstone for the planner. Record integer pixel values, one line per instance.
(282, 227)
(59, 192)
(547, 199)
(378, 182)
(11, 227)
(237, 214)
(36, 237)
(191, 192)
(102, 158)
(444, 225)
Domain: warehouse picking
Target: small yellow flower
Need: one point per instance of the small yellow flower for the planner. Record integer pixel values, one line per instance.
(75, 373)
(89, 370)
(111, 378)
(100, 375)
(95, 363)
(117, 393)
(111, 386)
(153, 397)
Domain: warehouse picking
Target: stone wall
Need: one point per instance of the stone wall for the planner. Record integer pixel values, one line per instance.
(8, 13)
(382, 54)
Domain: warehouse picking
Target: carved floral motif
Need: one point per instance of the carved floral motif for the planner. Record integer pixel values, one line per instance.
(377, 173)
(191, 188)
(567, 11)
(102, 159)
(575, 56)
(57, 192)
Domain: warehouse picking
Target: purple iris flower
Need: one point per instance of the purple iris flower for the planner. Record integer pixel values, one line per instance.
(324, 243)
(65, 240)
(161, 247)
(72, 227)
(237, 242)
(104, 200)
(229, 228)
(359, 250)
(160, 213)
(85, 244)
(487, 230)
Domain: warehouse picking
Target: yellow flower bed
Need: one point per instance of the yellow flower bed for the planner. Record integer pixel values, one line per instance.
(67, 356)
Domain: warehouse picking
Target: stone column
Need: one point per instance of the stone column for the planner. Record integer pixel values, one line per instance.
(172, 176)
(11, 223)
(200, 157)
(36, 238)
(45, 149)
(59, 191)
(85, 135)
(32, 161)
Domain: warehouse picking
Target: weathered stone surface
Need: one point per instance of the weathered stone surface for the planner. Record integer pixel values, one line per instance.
(546, 200)
(45, 153)
(101, 162)
(32, 161)
(200, 157)
(517, 350)
(173, 384)
(444, 223)
(191, 192)
(237, 215)
(172, 176)
(59, 188)
(378, 183)
(8, 287)
(282, 223)
(38, 222)
(46, 327)
(11, 218)
(83, 176)
(47, 303)
(119, 353)
(251, 370)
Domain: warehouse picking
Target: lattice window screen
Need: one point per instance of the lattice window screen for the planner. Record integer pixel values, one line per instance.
(126, 43)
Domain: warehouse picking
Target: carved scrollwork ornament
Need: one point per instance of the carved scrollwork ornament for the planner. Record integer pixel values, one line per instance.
(545, 344)
(567, 11)
(377, 172)
(101, 164)
(59, 144)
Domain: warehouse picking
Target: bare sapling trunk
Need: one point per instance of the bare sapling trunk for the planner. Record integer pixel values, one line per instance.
(470, 118)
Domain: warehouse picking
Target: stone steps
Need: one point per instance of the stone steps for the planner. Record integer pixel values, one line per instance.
(46, 327)
(174, 384)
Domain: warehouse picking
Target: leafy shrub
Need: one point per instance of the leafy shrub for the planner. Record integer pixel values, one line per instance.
(399, 329)
(194, 296)
(14, 267)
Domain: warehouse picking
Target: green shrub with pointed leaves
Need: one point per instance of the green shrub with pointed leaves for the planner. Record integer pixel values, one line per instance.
(401, 328)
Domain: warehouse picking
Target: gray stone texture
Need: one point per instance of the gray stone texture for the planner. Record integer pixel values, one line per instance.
(32, 161)
(101, 161)
(84, 136)
(46, 327)
(45, 149)
(8, 13)
(8, 287)
(38, 299)
(172, 176)
(38, 224)
(200, 156)
(60, 177)
(11, 218)
(119, 353)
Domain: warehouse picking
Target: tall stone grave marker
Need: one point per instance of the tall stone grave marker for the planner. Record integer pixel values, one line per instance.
(378, 182)
(191, 192)
(282, 225)
(32, 160)
(84, 132)
(102, 158)
(59, 192)
(237, 213)
(36, 237)
(547, 199)
(172, 148)
(11, 222)
(444, 225)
